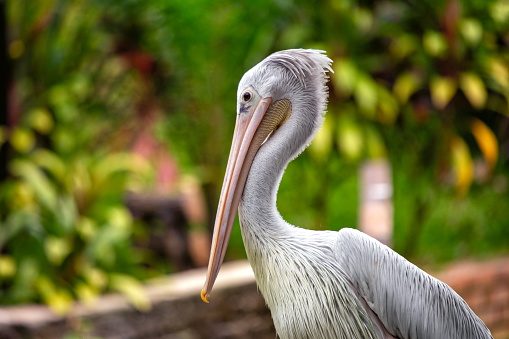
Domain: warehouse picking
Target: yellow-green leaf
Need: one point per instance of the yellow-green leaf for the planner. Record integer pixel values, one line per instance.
(96, 277)
(41, 120)
(442, 90)
(322, 144)
(462, 165)
(471, 30)
(350, 138)
(51, 162)
(132, 289)
(434, 43)
(388, 106)
(22, 139)
(375, 144)
(87, 228)
(487, 142)
(499, 71)
(474, 89)
(57, 249)
(59, 300)
(499, 11)
(403, 46)
(7, 266)
(405, 85)
(345, 76)
(43, 188)
(366, 95)
(86, 293)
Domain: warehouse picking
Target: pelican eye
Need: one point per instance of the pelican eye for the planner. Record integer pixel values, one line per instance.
(247, 96)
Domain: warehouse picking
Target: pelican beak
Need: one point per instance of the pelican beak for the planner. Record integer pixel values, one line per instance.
(245, 144)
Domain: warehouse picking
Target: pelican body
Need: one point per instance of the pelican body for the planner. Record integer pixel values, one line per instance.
(317, 284)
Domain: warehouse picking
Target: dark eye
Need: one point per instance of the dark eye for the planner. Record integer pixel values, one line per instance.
(247, 96)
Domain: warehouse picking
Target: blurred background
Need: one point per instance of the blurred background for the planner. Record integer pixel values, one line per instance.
(116, 118)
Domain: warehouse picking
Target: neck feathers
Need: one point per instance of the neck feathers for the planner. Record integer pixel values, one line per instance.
(301, 77)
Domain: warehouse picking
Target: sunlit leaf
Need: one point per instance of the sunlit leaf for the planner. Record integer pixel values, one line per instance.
(403, 46)
(405, 85)
(350, 138)
(7, 266)
(132, 289)
(87, 228)
(499, 11)
(442, 90)
(472, 31)
(86, 293)
(95, 277)
(41, 120)
(375, 143)
(363, 19)
(499, 71)
(22, 139)
(462, 166)
(366, 95)
(322, 144)
(474, 89)
(388, 106)
(434, 43)
(345, 76)
(487, 142)
(44, 190)
(57, 249)
(120, 218)
(51, 162)
(59, 300)
(63, 139)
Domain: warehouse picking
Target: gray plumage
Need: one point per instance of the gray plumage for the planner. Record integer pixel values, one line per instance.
(324, 284)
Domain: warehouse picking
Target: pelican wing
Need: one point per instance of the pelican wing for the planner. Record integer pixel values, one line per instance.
(409, 302)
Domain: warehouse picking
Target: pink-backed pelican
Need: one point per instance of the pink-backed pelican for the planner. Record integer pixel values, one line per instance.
(317, 284)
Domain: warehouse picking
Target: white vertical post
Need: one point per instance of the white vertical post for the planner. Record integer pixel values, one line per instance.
(376, 208)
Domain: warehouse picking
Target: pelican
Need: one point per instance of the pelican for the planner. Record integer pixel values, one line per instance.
(317, 284)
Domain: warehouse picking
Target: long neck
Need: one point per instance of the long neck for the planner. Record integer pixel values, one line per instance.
(257, 210)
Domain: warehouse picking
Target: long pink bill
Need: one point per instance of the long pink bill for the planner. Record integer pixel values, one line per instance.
(241, 155)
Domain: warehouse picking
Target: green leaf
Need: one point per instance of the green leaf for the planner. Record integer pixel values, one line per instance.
(388, 106)
(442, 90)
(132, 289)
(7, 266)
(434, 43)
(22, 139)
(51, 162)
(44, 190)
(345, 76)
(403, 46)
(41, 120)
(471, 30)
(57, 249)
(474, 89)
(366, 95)
(350, 138)
(322, 144)
(405, 85)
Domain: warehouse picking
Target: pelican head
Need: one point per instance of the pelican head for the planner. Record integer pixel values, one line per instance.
(280, 101)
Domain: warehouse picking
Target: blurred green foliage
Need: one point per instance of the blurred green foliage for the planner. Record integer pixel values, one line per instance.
(423, 83)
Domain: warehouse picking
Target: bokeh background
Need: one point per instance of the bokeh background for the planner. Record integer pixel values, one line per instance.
(117, 115)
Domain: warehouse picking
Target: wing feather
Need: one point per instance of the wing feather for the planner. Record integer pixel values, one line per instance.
(409, 302)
